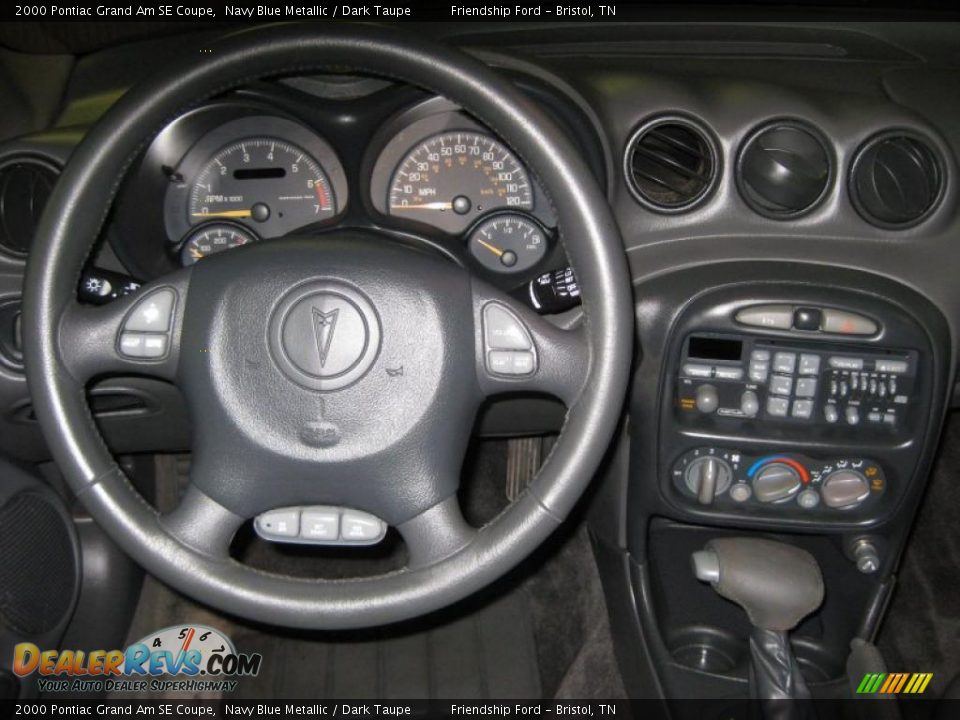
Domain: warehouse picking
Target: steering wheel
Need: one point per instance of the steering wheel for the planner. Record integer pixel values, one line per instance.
(283, 351)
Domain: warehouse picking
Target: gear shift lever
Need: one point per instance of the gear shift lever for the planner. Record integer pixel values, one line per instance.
(777, 585)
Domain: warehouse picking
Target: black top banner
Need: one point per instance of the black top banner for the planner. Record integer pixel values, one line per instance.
(232, 11)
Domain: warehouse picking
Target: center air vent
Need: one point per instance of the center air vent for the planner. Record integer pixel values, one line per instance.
(25, 187)
(670, 164)
(783, 170)
(896, 180)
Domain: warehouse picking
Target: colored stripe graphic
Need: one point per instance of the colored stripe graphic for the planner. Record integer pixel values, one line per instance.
(894, 683)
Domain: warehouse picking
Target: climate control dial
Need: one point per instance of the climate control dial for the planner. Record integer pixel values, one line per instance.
(776, 482)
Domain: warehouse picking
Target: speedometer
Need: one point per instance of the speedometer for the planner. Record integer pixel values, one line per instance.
(265, 183)
(452, 177)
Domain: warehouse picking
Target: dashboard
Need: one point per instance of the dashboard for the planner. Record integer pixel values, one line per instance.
(244, 170)
(789, 208)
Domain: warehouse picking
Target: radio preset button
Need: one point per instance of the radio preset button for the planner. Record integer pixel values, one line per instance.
(803, 409)
(759, 371)
(809, 364)
(781, 384)
(777, 406)
(784, 362)
(806, 387)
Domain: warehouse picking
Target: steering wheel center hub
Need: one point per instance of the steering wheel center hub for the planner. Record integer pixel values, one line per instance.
(324, 335)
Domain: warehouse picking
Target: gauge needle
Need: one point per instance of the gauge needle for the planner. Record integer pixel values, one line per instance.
(225, 214)
(495, 250)
(425, 206)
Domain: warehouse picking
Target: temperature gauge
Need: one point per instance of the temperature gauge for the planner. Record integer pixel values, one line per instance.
(508, 243)
(211, 239)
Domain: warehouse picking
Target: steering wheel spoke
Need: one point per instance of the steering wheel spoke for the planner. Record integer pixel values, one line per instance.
(202, 523)
(436, 533)
(519, 351)
(137, 335)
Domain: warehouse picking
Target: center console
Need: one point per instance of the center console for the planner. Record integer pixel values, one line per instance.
(792, 402)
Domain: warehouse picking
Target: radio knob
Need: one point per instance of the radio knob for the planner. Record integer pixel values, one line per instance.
(707, 399)
(776, 482)
(749, 403)
(707, 477)
(845, 488)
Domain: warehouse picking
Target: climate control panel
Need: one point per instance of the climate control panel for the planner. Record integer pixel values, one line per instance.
(725, 478)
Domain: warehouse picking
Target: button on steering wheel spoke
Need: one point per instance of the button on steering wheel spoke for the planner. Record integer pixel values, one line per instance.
(520, 351)
(138, 334)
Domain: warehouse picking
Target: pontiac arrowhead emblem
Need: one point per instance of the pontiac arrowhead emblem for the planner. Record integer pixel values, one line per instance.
(323, 326)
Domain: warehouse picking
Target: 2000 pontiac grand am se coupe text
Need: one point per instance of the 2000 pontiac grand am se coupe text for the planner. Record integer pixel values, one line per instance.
(542, 361)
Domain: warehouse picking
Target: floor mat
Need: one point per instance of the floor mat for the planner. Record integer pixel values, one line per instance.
(489, 653)
(921, 632)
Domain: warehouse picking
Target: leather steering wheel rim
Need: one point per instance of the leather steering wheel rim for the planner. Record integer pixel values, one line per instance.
(74, 218)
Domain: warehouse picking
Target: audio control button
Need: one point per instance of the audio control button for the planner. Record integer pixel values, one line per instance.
(784, 362)
(846, 363)
(728, 373)
(749, 403)
(777, 406)
(852, 415)
(707, 399)
(809, 364)
(847, 323)
(781, 385)
(830, 413)
(697, 371)
(891, 366)
(803, 409)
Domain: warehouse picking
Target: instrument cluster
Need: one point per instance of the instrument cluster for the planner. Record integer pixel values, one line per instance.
(231, 174)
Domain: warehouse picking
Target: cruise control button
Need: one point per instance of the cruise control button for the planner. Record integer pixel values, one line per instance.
(154, 346)
(779, 317)
(846, 323)
(131, 344)
(503, 330)
(320, 524)
(361, 527)
(152, 313)
(522, 363)
(283, 523)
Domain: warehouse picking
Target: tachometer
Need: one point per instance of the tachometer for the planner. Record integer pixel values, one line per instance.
(265, 183)
(452, 177)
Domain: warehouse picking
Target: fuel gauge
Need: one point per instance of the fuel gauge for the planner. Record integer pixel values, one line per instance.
(508, 243)
(213, 238)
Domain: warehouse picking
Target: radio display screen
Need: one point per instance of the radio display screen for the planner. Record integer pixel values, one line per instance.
(707, 348)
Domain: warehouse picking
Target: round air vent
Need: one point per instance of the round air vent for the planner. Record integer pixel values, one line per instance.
(25, 187)
(783, 170)
(895, 180)
(670, 164)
